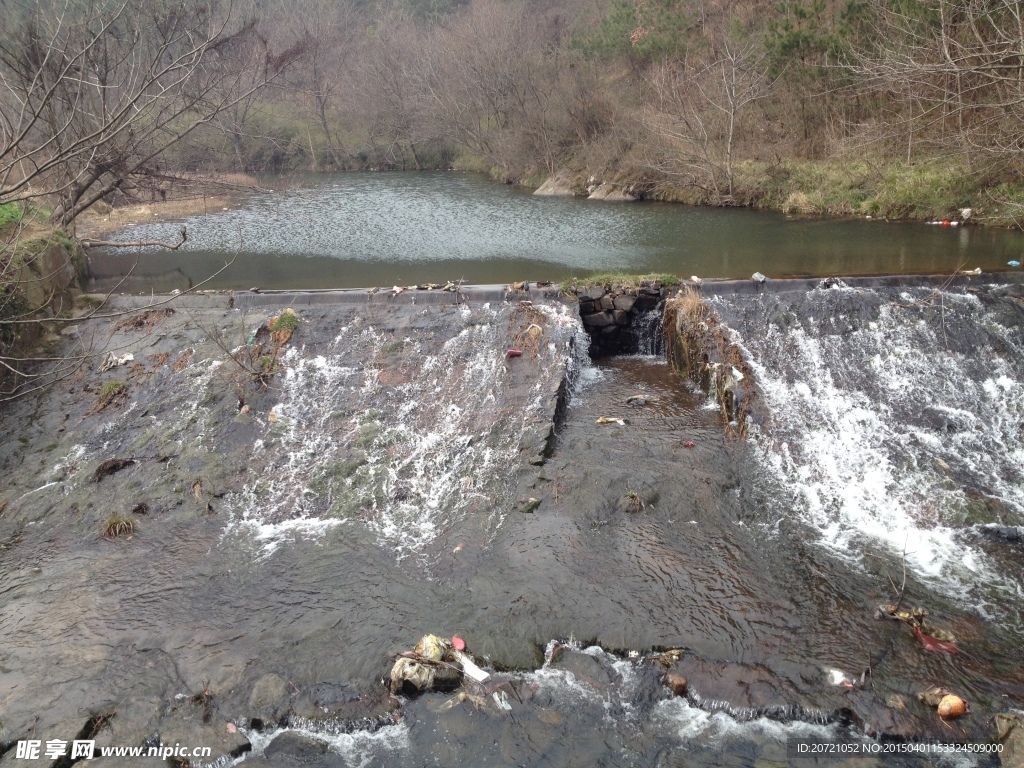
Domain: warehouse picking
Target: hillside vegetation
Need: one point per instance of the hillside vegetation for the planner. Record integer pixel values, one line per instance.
(903, 108)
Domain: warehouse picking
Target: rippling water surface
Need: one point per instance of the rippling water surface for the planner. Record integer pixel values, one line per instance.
(361, 230)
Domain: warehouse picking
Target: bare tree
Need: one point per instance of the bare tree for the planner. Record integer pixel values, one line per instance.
(698, 106)
(93, 93)
(958, 66)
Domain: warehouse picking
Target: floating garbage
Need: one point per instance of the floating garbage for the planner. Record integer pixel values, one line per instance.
(838, 677)
(113, 361)
(933, 645)
(611, 420)
(689, 444)
(758, 278)
(468, 666)
(947, 704)
(934, 639)
(975, 271)
(431, 665)
(514, 353)
(1013, 263)
(952, 706)
(435, 664)
(476, 701)
(501, 699)
(640, 400)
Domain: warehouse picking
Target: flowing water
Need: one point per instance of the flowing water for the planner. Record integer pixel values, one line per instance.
(361, 229)
(397, 477)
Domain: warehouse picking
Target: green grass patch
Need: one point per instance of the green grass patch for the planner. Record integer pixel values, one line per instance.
(110, 392)
(11, 214)
(619, 279)
(286, 321)
(890, 189)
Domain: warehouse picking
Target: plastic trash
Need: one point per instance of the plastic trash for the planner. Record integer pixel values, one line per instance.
(611, 420)
(689, 444)
(514, 353)
(476, 701)
(431, 665)
(838, 677)
(501, 699)
(431, 647)
(757, 277)
(457, 642)
(640, 400)
(469, 667)
(113, 361)
(1013, 263)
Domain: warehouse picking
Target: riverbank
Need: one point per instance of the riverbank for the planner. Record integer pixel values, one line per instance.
(894, 190)
(184, 195)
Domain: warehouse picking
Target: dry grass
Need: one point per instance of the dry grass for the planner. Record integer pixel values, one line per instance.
(115, 526)
(183, 360)
(145, 321)
(689, 304)
(526, 324)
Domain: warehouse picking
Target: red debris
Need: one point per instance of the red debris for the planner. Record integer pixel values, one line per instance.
(458, 643)
(689, 444)
(514, 352)
(933, 645)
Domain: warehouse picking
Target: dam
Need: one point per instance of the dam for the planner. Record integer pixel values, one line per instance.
(730, 497)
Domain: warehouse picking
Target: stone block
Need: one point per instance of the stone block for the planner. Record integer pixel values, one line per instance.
(624, 302)
(598, 320)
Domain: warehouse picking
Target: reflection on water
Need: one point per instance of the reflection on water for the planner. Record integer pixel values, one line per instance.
(360, 230)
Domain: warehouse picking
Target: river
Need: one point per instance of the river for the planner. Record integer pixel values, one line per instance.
(305, 509)
(382, 229)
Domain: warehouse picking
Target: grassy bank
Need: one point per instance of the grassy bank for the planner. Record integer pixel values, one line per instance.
(894, 190)
(617, 279)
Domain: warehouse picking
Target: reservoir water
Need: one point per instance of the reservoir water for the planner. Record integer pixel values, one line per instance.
(382, 229)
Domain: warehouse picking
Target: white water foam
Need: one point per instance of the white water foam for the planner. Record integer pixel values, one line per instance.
(357, 749)
(876, 433)
(690, 723)
(407, 449)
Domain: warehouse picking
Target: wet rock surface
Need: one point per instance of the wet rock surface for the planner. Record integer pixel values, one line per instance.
(217, 465)
(619, 319)
(297, 533)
